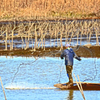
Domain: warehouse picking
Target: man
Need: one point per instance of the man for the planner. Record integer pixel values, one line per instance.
(69, 54)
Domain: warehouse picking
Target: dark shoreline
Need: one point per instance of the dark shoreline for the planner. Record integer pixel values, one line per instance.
(44, 20)
(82, 51)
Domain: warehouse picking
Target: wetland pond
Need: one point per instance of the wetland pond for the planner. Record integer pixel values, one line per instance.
(29, 78)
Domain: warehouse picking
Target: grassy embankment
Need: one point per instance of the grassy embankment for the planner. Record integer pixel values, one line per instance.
(34, 9)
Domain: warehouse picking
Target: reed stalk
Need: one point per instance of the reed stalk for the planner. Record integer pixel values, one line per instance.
(79, 86)
(3, 89)
(6, 39)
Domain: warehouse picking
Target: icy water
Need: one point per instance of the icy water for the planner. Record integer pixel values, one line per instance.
(33, 78)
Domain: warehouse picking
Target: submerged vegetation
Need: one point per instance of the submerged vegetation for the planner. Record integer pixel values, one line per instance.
(49, 9)
(42, 34)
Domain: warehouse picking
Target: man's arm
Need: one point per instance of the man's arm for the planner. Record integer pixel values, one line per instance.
(76, 57)
(62, 55)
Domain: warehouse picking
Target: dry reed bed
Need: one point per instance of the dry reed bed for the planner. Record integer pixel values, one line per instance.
(37, 32)
(49, 8)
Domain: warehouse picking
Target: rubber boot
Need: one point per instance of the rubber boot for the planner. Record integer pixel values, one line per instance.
(67, 83)
(70, 83)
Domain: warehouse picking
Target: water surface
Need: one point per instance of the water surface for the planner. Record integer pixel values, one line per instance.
(33, 78)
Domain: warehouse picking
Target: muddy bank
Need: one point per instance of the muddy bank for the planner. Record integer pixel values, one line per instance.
(82, 51)
(25, 21)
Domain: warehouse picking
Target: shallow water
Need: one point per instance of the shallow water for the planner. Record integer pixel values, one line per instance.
(53, 42)
(33, 78)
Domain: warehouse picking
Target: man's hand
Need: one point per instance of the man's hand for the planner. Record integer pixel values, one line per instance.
(61, 57)
(80, 59)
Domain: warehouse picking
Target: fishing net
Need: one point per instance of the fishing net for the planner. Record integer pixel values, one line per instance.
(86, 68)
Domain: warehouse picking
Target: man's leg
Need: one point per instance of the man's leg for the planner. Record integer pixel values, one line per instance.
(69, 73)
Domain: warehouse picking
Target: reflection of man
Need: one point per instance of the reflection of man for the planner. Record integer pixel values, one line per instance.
(70, 97)
(69, 54)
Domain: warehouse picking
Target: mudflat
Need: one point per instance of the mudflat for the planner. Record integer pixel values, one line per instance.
(82, 51)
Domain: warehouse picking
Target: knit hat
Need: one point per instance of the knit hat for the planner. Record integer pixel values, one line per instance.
(67, 45)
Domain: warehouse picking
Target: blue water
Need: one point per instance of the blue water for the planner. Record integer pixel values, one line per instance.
(33, 78)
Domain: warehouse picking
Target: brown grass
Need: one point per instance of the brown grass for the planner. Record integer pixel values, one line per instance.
(30, 8)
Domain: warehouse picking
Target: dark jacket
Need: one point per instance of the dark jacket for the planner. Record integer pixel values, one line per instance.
(69, 55)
